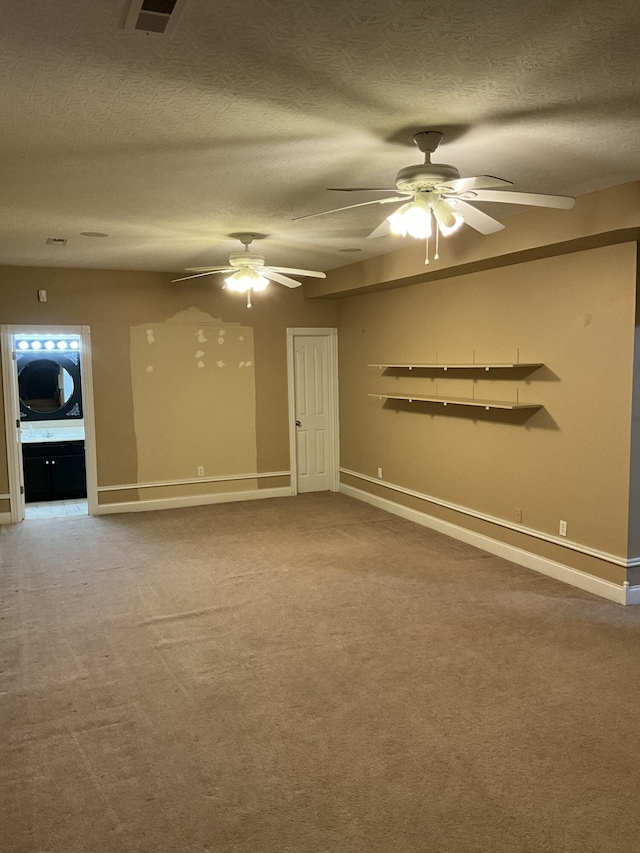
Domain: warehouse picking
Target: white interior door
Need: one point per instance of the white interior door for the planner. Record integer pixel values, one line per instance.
(315, 405)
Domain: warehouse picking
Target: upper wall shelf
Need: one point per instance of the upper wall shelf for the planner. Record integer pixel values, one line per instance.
(470, 366)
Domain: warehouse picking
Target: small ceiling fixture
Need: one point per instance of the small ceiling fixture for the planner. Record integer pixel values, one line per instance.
(435, 191)
(249, 272)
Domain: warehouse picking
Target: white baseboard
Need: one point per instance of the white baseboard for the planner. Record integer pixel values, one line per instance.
(621, 594)
(192, 500)
(632, 594)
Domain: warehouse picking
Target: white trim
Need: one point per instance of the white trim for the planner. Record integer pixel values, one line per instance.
(312, 331)
(12, 421)
(632, 593)
(332, 369)
(291, 397)
(90, 454)
(574, 577)
(193, 500)
(633, 563)
(5, 497)
(500, 522)
(189, 482)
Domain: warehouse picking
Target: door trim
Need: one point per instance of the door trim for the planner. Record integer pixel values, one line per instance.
(334, 434)
(12, 412)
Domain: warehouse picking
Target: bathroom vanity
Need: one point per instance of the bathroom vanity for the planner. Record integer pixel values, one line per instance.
(54, 470)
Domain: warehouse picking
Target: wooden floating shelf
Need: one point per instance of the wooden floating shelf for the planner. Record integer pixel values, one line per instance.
(471, 366)
(458, 401)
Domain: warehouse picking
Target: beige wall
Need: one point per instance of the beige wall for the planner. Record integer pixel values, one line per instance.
(569, 460)
(113, 303)
(634, 499)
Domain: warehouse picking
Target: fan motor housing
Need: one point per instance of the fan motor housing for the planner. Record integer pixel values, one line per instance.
(414, 178)
(245, 259)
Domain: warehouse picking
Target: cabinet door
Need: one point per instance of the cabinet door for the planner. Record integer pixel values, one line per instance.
(37, 479)
(68, 477)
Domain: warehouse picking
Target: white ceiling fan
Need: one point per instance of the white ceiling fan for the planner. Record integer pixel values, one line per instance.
(249, 272)
(436, 190)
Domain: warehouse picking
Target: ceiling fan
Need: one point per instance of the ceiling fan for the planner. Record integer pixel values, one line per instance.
(249, 273)
(436, 191)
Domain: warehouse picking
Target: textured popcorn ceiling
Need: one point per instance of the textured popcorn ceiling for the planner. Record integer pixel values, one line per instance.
(242, 119)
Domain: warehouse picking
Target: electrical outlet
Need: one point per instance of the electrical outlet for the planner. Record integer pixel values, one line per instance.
(519, 516)
(200, 470)
(563, 528)
(380, 473)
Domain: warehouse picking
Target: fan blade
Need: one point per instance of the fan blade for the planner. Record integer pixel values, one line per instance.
(381, 231)
(482, 222)
(281, 279)
(461, 185)
(349, 206)
(362, 189)
(563, 202)
(312, 273)
(197, 275)
(209, 269)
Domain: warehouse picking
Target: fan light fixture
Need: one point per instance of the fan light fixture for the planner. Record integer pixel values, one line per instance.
(414, 219)
(245, 281)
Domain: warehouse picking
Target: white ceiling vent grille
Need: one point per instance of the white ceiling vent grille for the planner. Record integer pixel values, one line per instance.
(154, 16)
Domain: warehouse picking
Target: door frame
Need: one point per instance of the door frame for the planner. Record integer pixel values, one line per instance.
(331, 334)
(12, 411)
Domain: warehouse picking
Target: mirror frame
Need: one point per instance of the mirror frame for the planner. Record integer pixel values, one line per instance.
(72, 409)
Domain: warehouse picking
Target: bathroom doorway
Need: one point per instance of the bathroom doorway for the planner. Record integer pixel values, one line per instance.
(48, 403)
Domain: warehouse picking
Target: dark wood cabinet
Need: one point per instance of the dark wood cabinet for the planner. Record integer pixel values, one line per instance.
(54, 471)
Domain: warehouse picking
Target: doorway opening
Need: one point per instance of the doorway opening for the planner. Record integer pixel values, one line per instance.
(49, 421)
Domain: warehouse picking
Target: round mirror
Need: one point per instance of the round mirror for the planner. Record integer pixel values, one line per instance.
(45, 385)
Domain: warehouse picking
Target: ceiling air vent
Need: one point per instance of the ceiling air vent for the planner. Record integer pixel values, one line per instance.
(154, 16)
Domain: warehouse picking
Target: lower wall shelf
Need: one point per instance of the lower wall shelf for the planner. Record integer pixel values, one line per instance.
(459, 401)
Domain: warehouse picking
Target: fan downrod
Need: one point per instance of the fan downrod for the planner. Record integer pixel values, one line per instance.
(427, 175)
(246, 240)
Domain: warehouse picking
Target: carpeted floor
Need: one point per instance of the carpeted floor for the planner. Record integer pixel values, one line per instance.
(303, 675)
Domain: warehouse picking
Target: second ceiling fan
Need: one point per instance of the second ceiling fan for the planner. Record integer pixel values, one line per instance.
(249, 271)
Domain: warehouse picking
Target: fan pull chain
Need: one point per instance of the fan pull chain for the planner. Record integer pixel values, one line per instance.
(426, 257)
(249, 298)
(437, 256)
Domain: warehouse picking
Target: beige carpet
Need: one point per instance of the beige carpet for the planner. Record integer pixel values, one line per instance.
(303, 675)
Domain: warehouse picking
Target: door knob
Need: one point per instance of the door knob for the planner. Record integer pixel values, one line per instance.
(298, 423)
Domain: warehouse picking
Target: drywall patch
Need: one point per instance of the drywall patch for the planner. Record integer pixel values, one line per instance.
(185, 415)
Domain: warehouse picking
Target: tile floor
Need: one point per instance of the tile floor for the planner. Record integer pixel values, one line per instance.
(55, 509)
